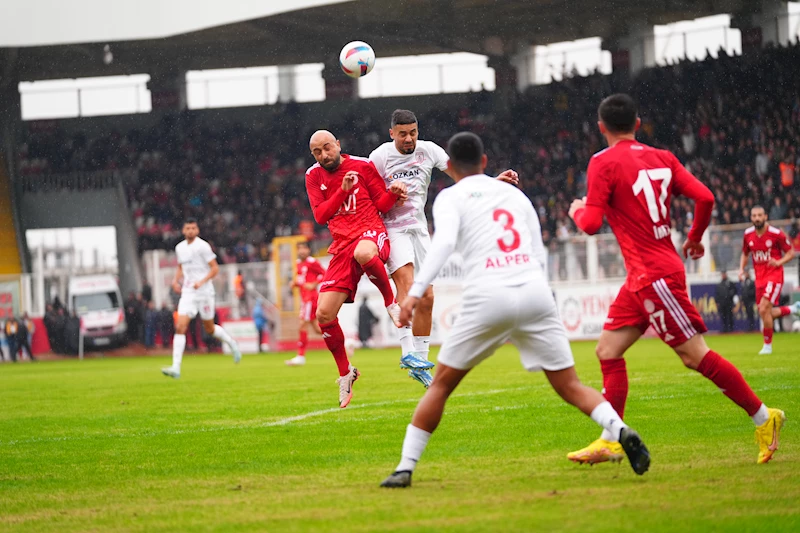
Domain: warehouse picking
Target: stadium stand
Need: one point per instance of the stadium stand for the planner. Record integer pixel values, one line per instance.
(734, 121)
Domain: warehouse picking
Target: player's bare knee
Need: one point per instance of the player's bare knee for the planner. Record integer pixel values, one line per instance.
(180, 329)
(365, 251)
(325, 316)
(605, 351)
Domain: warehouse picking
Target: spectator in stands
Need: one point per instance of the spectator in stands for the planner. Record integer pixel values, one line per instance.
(749, 299)
(725, 293)
(11, 329)
(147, 292)
(259, 320)
(366, 321)
(150, 325)
(166, 325)
(59, 330)
(132, 317)
(23, 340)
(49, 326)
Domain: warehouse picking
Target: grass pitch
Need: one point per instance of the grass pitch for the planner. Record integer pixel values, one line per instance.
(111, 444)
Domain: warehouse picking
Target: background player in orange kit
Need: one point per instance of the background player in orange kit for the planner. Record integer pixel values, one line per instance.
(309, 275)
(347, 193)
(632, 185)
(771, 249)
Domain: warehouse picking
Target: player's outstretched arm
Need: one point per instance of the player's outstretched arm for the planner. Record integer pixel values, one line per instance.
(588, 218)
(687, 185)
(323, 209)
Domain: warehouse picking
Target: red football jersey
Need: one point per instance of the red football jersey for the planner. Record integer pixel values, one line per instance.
(633, 183)
(771, 245)
(348, 213)
(308, 271)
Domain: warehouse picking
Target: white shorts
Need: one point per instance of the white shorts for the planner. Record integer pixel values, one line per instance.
(407, 246)
(525, 315)
(192, 304)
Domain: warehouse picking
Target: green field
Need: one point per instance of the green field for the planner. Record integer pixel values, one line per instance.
(110, 444)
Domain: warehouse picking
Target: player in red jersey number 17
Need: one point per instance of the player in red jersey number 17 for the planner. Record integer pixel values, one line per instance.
(347, 194)
(771, 249)
(632, 184)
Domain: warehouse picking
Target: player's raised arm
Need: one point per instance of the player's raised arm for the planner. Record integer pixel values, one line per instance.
(323, 209)
(383, 199)
(588, 212)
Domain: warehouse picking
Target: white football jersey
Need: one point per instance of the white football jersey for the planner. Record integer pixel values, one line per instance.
(494, 227)
(415, 171)
(194, 259)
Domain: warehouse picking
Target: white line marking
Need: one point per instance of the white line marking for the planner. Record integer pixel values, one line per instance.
(280, 422)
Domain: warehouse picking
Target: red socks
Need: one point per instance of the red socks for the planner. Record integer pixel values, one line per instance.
(302, 343)
(615, 383)
(729, 380)
(376, 273)
(767, 335)
(785, 310)
(334, 340)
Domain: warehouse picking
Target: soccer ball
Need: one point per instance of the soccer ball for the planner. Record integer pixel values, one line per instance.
(357, 59)
(796, 326)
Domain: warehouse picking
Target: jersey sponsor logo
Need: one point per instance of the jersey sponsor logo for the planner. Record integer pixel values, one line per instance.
(405, 174)
(760, 256)
(349, 205)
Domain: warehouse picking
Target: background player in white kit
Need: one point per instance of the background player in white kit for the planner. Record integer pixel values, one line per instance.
(412, 160)
(506, 298)
(197, 265)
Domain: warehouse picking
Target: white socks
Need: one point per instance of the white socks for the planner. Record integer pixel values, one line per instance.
(761, 416)
(606, 417)
(178, 346)
(406, 340)
(422, 345)
(413, 446)
(222, 335)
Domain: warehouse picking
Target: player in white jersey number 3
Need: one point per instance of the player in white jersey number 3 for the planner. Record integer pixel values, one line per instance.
(410, 160)
(506, 298)
(197, 265)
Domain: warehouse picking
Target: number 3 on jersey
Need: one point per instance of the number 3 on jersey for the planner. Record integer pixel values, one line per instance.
(508, 225)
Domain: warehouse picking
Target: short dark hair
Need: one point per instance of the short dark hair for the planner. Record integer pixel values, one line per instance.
(619, 113)
(304, 243)
(403, 116)
(465, 150)
(758, 207)
(190, 220)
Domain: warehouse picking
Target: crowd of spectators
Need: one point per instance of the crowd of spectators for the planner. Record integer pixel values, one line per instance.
(733, 121)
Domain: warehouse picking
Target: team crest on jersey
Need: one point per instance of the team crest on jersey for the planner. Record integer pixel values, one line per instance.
(649, 306)
(420, 157)
(769, 243)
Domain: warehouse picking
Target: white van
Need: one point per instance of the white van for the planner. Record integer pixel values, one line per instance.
(98, 302)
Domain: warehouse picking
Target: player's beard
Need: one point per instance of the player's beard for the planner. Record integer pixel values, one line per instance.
(333, 165)
(409, 149)
(759, 225)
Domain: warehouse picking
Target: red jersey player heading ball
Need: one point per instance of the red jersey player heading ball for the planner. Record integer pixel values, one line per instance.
(632, 184)
(771, 250)
(347, 194)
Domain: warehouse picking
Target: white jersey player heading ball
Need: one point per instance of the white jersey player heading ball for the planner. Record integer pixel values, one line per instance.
(506, 298)
(197, 266)
(411, 161)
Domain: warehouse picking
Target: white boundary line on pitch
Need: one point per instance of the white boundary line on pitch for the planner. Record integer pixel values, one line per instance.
(280, 422)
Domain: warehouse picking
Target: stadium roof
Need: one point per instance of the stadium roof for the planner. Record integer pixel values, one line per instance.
(400, 27)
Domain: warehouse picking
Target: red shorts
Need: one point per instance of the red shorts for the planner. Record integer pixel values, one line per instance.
(344, 272)
(664, 304)
(308, 310)
(771, 290)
